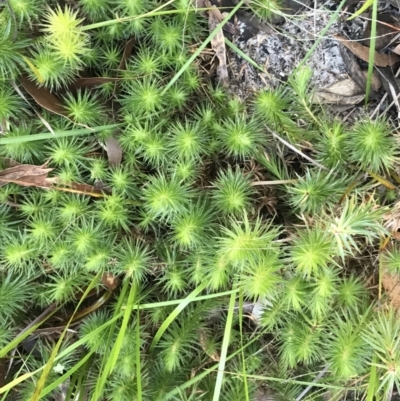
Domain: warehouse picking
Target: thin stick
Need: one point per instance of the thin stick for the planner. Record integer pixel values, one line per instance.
(383, 99)
(276, 182)
(308, 388)
(290, 146)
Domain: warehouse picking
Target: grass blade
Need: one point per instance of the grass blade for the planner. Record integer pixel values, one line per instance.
(246, 386)
(182, 305)
(372, 45)
(243, 55)
(67, 374)
(323, 32)
(203, 46)
(112, 359)
(224, 350)
(138, 366)
(57, 134)
(202, 375)
(47, 368)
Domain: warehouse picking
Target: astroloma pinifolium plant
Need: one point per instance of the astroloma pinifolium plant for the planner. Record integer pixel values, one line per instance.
(238, 243)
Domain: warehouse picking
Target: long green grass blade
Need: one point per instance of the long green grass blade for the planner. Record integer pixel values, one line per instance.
(224, 350)
(172, 316)
(203, 374)
(57, 134)
(67, 374)
(363, 8)
(372, 46)
(124, 325)
(116, 349)
(203, 46)
(241, 304)
(138, 365)
(152, 13)
(18, 380)
(243, 55)
(47, 368)
(63, 353)
(17, 340)
(117, 313)
(332, 20)
(178, 301)
(372, 384)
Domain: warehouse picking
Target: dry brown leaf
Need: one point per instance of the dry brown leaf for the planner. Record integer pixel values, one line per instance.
(397, 49)
(126, 54)
(362, 52)
(218, 43)
(347, 87)
(332, 98)
(26, 175)
(353, 67)
(43, 97)
(386, 28)
(83, 189)
(89, 82)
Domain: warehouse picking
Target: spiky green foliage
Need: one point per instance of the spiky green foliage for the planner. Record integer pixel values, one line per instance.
(371, 145)
(21, 151)
(26, 10)
(133, 259)
(7, 225)
(352, 294)
(15, 293)
(317, 190)
(146, 63)
(51, 71)
(113, 212)
(347, 351)
(18, 255)
(83, 109)
(193, 226)
(391, 260)
(42, 229)
(211, 251)
(168, 36)
(262, 279)
(110, 57)
(245, 242)
(96, 10)
(188, 141)
(332, 148)
(272, 107)
(233, 192)
(143, 96)
(10, 103)
(355, 220)
(64, 34)
(311, 252)
(295, 293)
(240, 136)
(63, 287)
(382, 335)
(164, 196)
(72, 207)
(12, 48)
(67, 152)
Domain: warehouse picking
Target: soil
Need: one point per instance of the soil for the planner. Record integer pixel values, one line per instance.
(278, 48)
